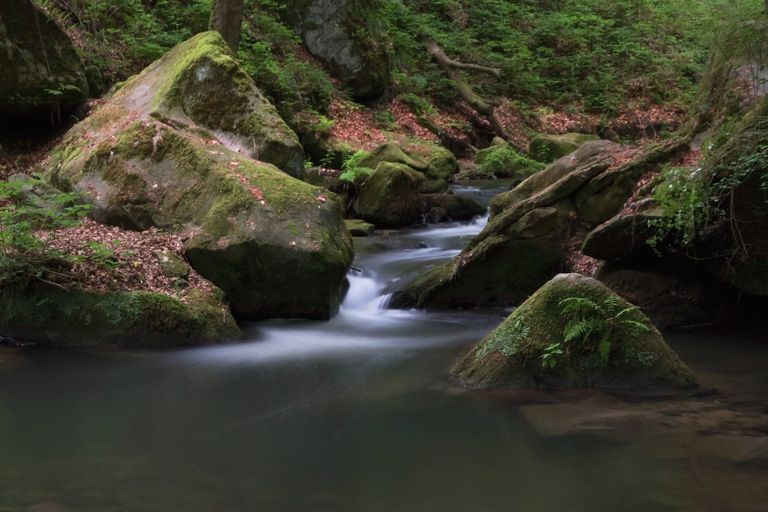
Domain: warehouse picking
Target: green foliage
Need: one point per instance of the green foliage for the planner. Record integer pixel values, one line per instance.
(352, 172)
(503, 160)
(24, 250)
(508, 344)
(102, 255)
(591, 52)
(593, 327)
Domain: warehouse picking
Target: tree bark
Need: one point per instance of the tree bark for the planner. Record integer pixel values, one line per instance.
(477, 102)
(227, 19)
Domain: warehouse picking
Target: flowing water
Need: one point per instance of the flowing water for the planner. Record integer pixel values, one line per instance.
(353, 415)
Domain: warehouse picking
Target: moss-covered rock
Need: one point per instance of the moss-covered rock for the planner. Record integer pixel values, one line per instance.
(502, 161)
(277, 246)
(393, 153)
(390, 197)
(527, 239)
(359, 228)
(592, 153)
(623, 351)
(200, 85)
(496, 269)
(455, 207)
(548, 148)
(43, 78)
(331, 31)
(77, 318)
(441, 163)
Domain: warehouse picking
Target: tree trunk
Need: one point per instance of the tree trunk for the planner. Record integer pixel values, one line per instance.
(474, 100)
(226, 19)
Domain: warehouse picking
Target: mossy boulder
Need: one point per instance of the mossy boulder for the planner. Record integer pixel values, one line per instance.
(529, 236)
(359, 228)
(75, 318)
(331, 31)
(441, 163)
(393, 153)
(623, 351)
(455, 207)
(390, 197)
(199, 85)
(43, 78)
(548, 148)
(503, 161)
(496, 269)
(277, 246)
(592, 153)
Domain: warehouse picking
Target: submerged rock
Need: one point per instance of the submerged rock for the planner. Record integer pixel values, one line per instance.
(164, 152)
(75, 318)
(43, 79)
(603, 341)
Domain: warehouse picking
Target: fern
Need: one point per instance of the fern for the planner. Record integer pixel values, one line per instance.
(592, 327)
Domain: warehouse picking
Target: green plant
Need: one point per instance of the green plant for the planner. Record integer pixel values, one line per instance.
(593, 327)
(103, 255)
(28, 230)
(352, 170)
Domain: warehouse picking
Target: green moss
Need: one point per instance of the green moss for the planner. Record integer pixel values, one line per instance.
(517, 353)
(502, 161)
(83, 319)
(390, 197)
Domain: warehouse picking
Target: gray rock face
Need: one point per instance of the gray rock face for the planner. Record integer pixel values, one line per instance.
(43, 77)
(330, 31)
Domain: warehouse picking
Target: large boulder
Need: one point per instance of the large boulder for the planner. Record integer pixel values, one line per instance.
(200, 85)
(532, 229)
(331, 31)
(76, 318)
(575, 332)
(160, 154)
(390, 198)
(43, 78)
(548, 148)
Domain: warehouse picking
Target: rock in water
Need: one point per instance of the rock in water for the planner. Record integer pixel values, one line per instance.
(618, 347)
(171, 149)
(390, 197)
(43, 79)
(76, 318)
(331, 31)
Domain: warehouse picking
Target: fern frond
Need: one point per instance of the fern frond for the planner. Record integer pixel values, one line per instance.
(604, 349)
(625, 312)
(635, 325)
(579, 305)
(580, 329)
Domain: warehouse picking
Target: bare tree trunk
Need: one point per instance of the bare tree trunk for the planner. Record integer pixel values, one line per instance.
(477, 102)
(227, 19)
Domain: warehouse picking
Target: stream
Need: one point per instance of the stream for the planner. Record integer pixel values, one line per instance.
(354, 415)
